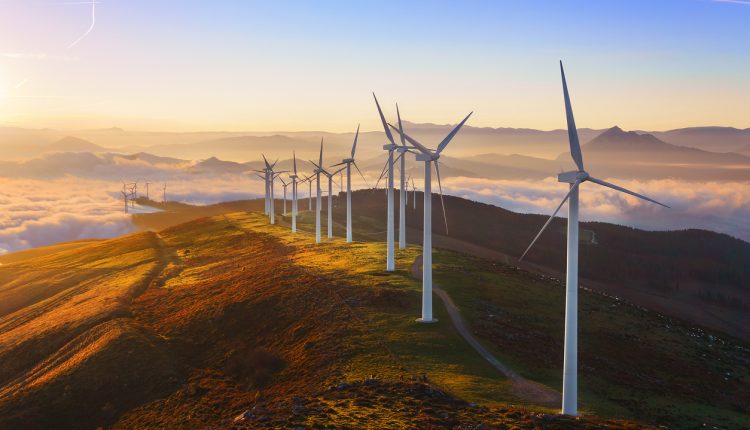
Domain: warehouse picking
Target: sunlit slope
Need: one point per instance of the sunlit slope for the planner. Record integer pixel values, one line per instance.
(62, 312)
(192, 326)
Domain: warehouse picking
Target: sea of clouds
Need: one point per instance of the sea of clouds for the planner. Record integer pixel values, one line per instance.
(35, 212)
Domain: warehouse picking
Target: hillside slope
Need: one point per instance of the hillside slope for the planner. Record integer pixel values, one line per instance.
(230, 322)
(193, 326)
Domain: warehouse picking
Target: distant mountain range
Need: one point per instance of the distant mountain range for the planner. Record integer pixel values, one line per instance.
(610, 153)
(19, 143)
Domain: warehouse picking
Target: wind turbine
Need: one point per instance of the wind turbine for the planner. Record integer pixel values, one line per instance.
(348, 162)
(390, 264)
(317, 172)
(284, 184)
(401, 195)
(429, 157)
(575, 179)
(269, 191)
(125, 197)
(147, 183)
(164, 194)
(264, 171)
(308, 179)
(294, 177)
(413, 193)
(330, 176)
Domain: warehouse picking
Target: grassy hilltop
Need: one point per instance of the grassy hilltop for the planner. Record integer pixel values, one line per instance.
(229, 322)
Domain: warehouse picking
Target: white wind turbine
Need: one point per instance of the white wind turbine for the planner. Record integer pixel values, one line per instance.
(317, 172)
(330, 176)
(271, 179)
(348, 162)
(284, 185)
(429, 157)
(575, 179)
(390, 263)
(413, 193)
(402, 196)
(294, 177)
(264, 171)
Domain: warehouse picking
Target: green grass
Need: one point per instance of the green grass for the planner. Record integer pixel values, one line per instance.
(633, 363)
(436, 351)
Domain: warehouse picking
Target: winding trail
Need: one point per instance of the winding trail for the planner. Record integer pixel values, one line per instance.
(525, 389)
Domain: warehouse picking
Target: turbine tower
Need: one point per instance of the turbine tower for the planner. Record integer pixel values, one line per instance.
(390, 264)
(575, 179)
(271, 175)
(317, 172)
(164, 194)
(348, 162)
(294, 177)
(125, 197)
(284, 184)
(429, 157)
(401, 195)
(330, 176)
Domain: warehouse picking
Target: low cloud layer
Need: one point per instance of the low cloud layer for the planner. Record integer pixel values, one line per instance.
(40, 212)
(36, 213)
(719, 206)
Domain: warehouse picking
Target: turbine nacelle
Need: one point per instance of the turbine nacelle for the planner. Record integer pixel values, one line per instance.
(573, 176)
(391, 147)
(426, 157)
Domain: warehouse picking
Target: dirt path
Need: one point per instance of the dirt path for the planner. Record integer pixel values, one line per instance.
(527, 390)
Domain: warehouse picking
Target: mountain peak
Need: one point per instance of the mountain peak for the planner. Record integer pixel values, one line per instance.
(616, 137)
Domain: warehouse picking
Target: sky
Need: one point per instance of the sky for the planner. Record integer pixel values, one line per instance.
(299, 65)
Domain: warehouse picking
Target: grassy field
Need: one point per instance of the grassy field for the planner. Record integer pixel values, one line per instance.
(633, 363)
(191, 326)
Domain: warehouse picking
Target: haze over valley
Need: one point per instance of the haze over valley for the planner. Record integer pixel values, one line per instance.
(65, 185)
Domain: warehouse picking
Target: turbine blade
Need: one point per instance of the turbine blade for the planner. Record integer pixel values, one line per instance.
(294, 156)
(575, 184)
(354, 146)
(360, 174)
(625, 190)
(397, 158)
(400, 126)
(338, 164)
(320, 159)
(413, 141)
(382, 118)
(451, 135)
(268, 166)
(382, 173)
(440, 187)
(575, 145)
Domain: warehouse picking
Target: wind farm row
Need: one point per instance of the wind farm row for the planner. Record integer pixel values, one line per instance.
(400, 145)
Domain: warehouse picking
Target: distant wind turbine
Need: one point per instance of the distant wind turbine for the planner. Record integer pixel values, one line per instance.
(330, 176)
(318, 199)
(429, 157)
(390, 263)
(125, 197)
(348, 162)
(294, 178)
(284, 184)
(575, 179)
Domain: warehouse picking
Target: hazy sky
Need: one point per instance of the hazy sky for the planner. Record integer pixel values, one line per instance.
(304, 65)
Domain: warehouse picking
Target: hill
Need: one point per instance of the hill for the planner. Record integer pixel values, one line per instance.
(74, 144)
(194, 325)
(715, 139)
(629, 154)
(696, 275)
(228, 322)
